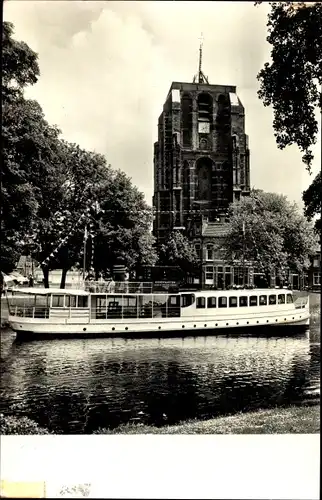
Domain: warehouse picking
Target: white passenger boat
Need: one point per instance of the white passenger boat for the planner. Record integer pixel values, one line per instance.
(98, 312)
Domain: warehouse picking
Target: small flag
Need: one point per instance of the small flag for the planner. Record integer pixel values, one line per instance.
(85, 233)
(243, 227)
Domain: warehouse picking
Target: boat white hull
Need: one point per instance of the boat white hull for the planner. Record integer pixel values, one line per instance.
(298, 319)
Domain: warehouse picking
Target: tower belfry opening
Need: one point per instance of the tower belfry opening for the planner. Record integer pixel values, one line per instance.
(200, 77)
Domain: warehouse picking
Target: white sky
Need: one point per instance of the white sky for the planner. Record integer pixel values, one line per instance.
(106, 68)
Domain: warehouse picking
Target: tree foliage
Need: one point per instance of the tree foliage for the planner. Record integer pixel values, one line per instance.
(291, 82)
(268, 229)
(179, 251)
(123, 229)
(312, 201)
(48, 184)
(18, 200)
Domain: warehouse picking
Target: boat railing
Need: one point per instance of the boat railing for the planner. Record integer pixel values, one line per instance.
(118, 286)
(30, 312)
(42, 312)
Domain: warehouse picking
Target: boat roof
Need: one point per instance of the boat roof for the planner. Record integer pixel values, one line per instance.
(203, 293)
(49, 291)
(239, 291)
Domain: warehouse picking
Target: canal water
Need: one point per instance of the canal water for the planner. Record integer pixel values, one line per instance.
(78, 386)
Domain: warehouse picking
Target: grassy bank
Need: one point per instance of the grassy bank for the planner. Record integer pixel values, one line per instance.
(293, 420)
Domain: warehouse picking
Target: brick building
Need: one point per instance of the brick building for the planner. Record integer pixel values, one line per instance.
(201, 165)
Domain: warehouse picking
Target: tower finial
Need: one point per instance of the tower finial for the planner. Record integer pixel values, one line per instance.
(200, 55)
(200, 77)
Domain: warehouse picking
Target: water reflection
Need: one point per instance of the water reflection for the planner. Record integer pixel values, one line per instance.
(80, 385)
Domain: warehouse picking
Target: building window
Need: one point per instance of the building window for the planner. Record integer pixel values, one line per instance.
(203, 179)
(316, 263)
(316, 279)
(198, 250)
(186, 112)
(201, 303)
(205, 107)
(211, 302)
(210, 252)
(209, 273)
(239, 276)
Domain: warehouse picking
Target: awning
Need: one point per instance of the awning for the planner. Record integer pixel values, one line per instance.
(49, 291)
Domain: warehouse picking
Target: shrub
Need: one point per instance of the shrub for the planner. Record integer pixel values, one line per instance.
(20, 425)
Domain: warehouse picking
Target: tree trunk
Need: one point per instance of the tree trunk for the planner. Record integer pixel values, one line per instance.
(63, 277)
(45, 271)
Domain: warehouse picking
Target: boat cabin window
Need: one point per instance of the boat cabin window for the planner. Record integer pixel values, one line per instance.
(187, 299)
(201, 303)
(272, 300)
(232, 301)
(211, 302)
(281, 299)
(82, 301)
(253, 300)
(58, 301)
(129, 301)
(222, 302)
(289, 298)
(263, 300)
(70, 301)
(243, 301)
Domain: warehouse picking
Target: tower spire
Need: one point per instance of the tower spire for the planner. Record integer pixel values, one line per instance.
(200, 77)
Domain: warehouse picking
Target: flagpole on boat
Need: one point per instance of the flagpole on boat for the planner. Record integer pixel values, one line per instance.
(243, 254)
(84, 252)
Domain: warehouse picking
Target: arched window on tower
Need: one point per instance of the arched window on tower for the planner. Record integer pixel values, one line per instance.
(203, 179)
(223, 123)
(186, 120)
(204, 113)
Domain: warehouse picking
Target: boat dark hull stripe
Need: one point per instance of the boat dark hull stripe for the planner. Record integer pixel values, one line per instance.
(270, 330)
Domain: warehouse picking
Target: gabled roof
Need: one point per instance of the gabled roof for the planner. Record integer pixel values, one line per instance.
(215, 229)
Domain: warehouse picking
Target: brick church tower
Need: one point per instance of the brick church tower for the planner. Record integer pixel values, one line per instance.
(201, 158)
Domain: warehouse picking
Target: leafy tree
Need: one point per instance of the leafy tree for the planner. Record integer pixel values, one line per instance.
(19, 64)
(48, 184)
(271, 231)
(179, 251)
(123, 228)
(292, 82)
(82, 174)
(312, 201)
(29, 150)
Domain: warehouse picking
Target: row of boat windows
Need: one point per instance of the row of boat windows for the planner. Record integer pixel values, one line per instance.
(244, 301)
(186, 300)
(70, 301)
